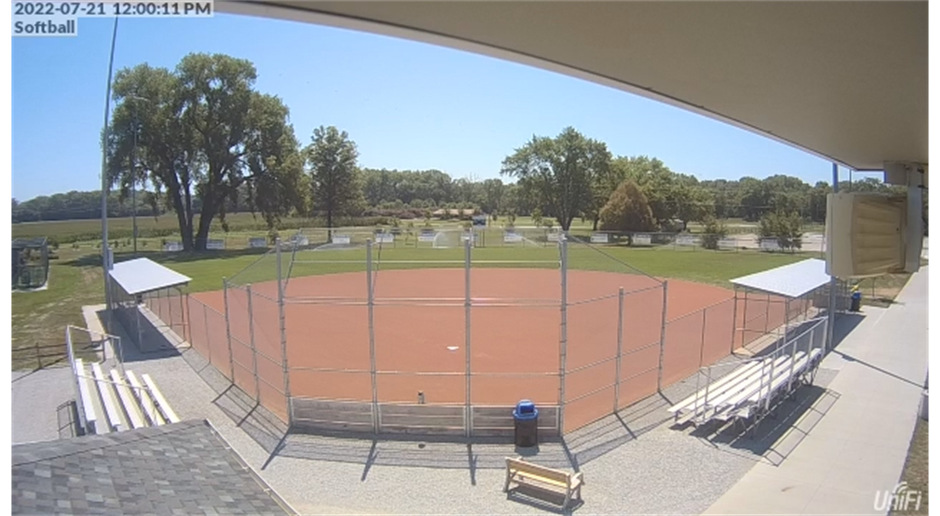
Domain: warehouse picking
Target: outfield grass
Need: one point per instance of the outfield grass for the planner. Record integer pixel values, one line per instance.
(713, 267)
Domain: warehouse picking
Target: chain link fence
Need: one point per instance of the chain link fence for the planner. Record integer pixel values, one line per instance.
(352, 340)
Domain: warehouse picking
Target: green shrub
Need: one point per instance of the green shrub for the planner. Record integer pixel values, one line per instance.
(715, 230)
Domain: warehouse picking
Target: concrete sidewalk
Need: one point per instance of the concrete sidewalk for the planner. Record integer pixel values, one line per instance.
(854, 443)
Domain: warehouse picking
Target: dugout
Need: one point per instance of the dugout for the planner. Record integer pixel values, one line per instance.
(148, 298)
(30, 262)
(773, 302)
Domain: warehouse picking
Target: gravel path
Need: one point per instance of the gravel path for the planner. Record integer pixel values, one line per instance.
(634, 464)
(36, 395)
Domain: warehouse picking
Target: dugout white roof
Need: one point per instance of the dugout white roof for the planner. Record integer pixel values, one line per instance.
(143, 275)
(791, 281)
(846, 81)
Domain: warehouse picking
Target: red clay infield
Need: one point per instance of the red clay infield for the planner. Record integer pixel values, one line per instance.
(514, 349)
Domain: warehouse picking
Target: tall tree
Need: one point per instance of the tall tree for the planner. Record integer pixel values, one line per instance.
(561, 172)
(493, 192)
(754, 198)
(724, 196)
(657, 182)
(204, 134)
(787, 228)
(627, 210)
(334, 178)
(518, 199)
(818, 197)
(606, 182)
(468, 192)
(691, 203)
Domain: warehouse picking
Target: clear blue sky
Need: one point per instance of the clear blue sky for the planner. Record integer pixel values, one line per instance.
(407, 105)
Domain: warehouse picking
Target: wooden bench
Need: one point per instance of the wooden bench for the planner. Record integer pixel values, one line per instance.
(522, 473)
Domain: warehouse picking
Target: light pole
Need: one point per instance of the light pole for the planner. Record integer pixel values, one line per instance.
(135, 98)
(105, 256)
(833, 281)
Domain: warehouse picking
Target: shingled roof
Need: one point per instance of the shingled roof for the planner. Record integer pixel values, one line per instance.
(182, 468)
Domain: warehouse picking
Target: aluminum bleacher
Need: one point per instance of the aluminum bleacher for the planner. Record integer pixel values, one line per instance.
(754, 386)
(114, 401)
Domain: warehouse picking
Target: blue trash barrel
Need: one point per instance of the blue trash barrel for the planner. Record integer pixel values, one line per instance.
(526, 424)
(856, 301)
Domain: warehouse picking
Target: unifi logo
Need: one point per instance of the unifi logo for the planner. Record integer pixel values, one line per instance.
(899, 499)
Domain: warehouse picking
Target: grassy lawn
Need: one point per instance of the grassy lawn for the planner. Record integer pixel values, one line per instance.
(881, 290)
(703, 266)
(63, 229)
(39, 318)
(915, 468)
(242, 226)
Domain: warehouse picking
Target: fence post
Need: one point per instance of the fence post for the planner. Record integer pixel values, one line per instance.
(810, 345)
(205, 318)
(184, 309)
(228, 329)
(251, 342)
(467, 303)
(744, 321)
(619, 349)
(662, 337)
(283, 325)
(169, 310)
(563, 348)
(786, 335)
(767, 316)
(734, 320)
(701, 348)
(371, 304)
(137, 327)
(118, 346)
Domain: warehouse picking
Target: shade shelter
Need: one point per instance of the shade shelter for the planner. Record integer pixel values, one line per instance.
(144, 293)
(772, 302)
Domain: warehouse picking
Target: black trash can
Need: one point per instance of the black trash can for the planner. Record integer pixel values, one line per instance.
(856, 301)
(526, 418)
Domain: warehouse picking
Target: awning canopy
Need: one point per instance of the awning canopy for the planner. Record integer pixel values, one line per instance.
(790, 281)
(143, 275)
(29, 243)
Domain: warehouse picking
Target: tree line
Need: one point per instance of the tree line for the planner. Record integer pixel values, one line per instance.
(206, 143)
